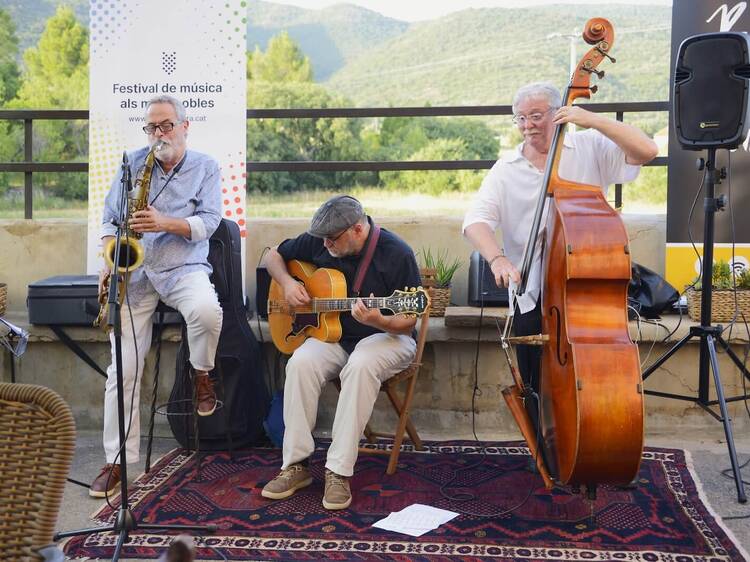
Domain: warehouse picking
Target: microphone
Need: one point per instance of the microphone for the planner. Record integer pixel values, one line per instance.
(126, 171)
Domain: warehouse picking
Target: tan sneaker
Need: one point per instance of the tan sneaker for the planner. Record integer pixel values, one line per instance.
(337, 494)
(289, 480)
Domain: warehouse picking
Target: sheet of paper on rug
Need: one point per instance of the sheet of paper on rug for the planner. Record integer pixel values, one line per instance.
(415, 520)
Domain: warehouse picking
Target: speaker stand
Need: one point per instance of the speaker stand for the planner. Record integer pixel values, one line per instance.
(709, 335)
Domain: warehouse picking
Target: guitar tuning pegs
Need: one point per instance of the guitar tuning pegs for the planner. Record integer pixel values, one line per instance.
(594, 88)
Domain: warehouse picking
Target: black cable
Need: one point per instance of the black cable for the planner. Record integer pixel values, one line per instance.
(468, 496)
(697, 253)
(726, 472)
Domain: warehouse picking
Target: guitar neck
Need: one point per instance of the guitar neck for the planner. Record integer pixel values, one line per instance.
(343, 305)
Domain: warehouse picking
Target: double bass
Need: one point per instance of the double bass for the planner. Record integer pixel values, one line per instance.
(590, 429)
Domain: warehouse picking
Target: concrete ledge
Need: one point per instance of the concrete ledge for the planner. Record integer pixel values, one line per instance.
(459, 325)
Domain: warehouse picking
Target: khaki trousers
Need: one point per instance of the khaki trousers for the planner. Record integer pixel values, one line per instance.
(194, 297)
(375, 359)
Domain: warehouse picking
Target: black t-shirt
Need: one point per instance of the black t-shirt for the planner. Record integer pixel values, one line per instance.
(392, 268)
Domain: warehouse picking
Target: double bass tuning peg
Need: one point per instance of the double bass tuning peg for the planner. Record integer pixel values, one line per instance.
(599, 73)
(613, 60)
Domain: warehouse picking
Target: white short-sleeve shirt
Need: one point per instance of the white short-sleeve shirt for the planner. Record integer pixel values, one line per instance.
(509, 194)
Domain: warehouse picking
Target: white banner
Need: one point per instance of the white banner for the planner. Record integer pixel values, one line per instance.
(193, 50)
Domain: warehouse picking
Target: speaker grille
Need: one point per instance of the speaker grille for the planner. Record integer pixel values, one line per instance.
(711, 90)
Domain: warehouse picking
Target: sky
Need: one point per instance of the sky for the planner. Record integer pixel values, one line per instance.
(416, 10)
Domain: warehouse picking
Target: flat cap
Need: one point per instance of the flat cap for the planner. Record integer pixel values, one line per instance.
(335, 215)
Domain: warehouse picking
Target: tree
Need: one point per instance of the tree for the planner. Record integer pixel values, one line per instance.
(56, 77)
(10, 132)
(301, 139)
(283, 61)
(435, 182)
(281, 77)
(9, 73)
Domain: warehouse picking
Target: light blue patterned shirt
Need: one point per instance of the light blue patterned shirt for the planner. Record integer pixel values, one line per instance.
(194, 194)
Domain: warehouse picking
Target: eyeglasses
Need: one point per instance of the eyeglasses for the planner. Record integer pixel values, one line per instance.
(332, 239)
(534, 118)
(167, 127)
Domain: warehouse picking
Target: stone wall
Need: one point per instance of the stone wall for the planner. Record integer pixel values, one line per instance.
(33, 250)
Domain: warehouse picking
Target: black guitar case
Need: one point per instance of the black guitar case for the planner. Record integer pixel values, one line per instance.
(244, 392)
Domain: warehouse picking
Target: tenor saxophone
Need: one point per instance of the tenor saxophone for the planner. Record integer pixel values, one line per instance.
(131, 253)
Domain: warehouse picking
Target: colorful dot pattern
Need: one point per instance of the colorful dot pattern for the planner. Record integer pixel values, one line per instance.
(233, 177)
(105, 155)
(229, 32)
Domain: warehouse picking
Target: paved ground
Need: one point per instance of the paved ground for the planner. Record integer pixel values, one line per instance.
(707, 448)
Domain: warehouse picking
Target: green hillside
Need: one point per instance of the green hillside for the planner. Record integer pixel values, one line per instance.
(332, 37)
(480, 56)
(30, 16)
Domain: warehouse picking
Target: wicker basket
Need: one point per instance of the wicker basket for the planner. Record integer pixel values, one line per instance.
(428, 276)
(3, 298)
(440, 297)
(722, 304)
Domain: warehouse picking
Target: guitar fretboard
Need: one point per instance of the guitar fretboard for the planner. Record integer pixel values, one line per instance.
(327, 305)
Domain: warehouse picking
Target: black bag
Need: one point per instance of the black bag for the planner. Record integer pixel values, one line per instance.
(648, 293)
(238, 356)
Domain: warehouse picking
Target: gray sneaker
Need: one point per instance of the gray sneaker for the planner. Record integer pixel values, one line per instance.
(288, 481)
(337, 494)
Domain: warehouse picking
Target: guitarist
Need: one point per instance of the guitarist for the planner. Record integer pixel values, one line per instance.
(373, 346)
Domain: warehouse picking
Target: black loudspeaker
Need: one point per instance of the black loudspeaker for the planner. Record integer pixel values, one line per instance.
(711, 101)
(482, 288)
(262, 285)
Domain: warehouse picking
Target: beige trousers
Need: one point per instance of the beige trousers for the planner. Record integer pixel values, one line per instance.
(194, 297)
(375, 359)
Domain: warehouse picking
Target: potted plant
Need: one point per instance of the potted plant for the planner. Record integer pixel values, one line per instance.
(724, 302)
(437, 271)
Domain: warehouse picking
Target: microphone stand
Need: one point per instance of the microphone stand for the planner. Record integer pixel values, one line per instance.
(125, 522)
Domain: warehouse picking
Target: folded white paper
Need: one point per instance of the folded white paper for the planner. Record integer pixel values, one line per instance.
(415, 520)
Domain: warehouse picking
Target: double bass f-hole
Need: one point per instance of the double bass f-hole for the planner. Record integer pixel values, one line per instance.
(564, 360)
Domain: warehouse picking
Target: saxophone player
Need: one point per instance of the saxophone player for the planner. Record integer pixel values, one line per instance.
(181, 210)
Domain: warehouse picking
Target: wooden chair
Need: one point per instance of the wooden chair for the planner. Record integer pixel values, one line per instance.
(37, 441)
(401, 406)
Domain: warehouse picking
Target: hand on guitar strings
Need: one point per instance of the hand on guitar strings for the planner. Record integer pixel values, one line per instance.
(295, 293)
(368, 316)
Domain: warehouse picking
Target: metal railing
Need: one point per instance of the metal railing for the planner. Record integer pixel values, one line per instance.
(28, 167)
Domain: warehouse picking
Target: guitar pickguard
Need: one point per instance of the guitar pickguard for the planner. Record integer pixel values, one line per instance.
(301, 322)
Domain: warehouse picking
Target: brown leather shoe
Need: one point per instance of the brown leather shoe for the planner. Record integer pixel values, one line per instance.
(205, 396)
(107, 482)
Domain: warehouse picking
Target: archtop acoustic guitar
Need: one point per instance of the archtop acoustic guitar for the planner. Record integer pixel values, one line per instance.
(291, 325)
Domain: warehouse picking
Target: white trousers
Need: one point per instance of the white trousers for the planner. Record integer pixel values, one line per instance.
(195, 299)
(375, 359)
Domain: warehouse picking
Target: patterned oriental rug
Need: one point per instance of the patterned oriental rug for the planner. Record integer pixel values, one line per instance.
(507, 514)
